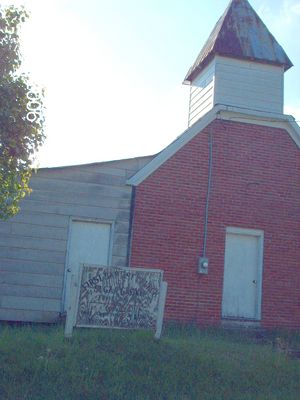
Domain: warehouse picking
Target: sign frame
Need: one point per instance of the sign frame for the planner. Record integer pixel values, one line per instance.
(72, 312)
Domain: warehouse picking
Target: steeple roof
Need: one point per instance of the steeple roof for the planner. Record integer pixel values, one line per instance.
(240, 33)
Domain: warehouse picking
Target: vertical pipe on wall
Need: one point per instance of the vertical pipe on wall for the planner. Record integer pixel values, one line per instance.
(209, 184)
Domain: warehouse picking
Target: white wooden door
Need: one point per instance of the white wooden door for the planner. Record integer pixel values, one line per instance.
(89, 242)
(242, 274)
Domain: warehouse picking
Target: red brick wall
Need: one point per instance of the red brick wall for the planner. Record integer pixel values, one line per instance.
(255, 184)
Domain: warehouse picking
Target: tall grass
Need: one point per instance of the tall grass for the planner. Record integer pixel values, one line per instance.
(37, 363)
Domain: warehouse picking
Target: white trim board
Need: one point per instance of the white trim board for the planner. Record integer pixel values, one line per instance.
(244, 231)
(222, 112)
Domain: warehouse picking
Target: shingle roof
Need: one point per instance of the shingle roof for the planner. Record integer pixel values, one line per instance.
(240, 33)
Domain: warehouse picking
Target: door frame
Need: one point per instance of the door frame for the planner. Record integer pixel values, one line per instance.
(88, 220)
(259, 234)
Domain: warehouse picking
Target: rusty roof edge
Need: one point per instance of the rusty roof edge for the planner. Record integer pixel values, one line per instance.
(195, 68)
(212, 55)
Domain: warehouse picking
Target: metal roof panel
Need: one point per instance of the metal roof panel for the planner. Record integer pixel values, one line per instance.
(240, 33)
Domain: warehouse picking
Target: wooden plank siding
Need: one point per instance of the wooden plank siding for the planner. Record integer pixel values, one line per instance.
(237, 83)
(33, 244)
(248, 84)
(202, 94)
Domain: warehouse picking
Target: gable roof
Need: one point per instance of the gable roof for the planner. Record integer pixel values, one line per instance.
(227, 113)
(240, 33)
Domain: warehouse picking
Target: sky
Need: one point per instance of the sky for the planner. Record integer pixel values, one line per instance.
(112, 70)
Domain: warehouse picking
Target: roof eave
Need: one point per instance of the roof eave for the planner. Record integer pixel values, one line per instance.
(192, 74)
(281, 121)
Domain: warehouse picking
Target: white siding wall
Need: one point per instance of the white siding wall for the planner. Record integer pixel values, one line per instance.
(202, 94)
(249, 85)
(236, 83)
(33, 244)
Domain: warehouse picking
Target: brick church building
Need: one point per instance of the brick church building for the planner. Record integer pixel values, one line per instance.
(218, 210)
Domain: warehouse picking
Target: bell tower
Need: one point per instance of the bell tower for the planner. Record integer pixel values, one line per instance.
(240, 65)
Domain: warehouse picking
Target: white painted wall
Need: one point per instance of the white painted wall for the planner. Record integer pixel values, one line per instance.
(248, 84)
(202, 94)
(238, 83)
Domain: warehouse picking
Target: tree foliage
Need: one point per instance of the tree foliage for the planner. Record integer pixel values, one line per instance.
(21, 126)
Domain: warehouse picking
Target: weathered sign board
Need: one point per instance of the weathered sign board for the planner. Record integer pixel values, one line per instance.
(112, 297)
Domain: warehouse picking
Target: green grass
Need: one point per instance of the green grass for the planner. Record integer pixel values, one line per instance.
(37, 363)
